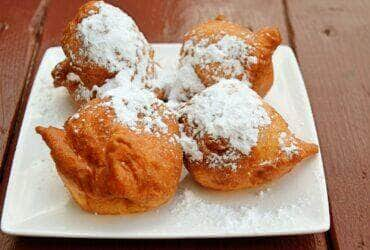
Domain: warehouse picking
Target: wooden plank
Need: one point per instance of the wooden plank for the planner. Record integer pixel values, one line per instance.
(332, 43)
(165, 21)
(20, 30)
(17, 45)
(277, 243)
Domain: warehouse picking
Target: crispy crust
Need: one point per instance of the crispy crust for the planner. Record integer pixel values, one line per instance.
(264, 42)
(265, 163)
(110, 169)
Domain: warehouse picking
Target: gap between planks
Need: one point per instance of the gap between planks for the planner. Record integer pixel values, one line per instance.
(290, 30)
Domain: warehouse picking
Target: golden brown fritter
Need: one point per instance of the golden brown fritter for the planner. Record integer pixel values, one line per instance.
(256, 62)
(109, 168)
(90, 73)
(266, 162)
(100, 54)
(220, 161)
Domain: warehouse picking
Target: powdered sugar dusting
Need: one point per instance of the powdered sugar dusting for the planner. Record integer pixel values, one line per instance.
(190, 207)
(231, 52)
(136, 107)
(82, 93)
(229, 110)
(288, 150)
(225, 160)
(121, 78)
(184, 85)
(229, 55)
(73, 77)
(190, 147)
(112, 40)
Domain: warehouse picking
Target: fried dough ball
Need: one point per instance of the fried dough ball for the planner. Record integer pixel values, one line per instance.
(100, 42)
(118, 154)
(233, 139)
(220, 49)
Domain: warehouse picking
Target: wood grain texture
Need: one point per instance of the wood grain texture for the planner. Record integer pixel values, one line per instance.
(168, 20)
(17, 45)
(278, 243)
(160, 21)
(20, 30)
(332, 43)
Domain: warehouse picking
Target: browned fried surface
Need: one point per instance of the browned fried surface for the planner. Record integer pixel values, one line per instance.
(110, 169)
(265, 163)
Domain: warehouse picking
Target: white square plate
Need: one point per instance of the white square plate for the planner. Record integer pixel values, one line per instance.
(37, 204)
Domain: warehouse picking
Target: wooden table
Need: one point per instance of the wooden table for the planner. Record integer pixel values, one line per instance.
(332, 42)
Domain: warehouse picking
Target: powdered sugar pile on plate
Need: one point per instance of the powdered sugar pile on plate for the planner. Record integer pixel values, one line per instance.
(190, 207)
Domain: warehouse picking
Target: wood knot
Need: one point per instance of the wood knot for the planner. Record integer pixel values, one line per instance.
(3, 26)
(330, 31)
(363, 175)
